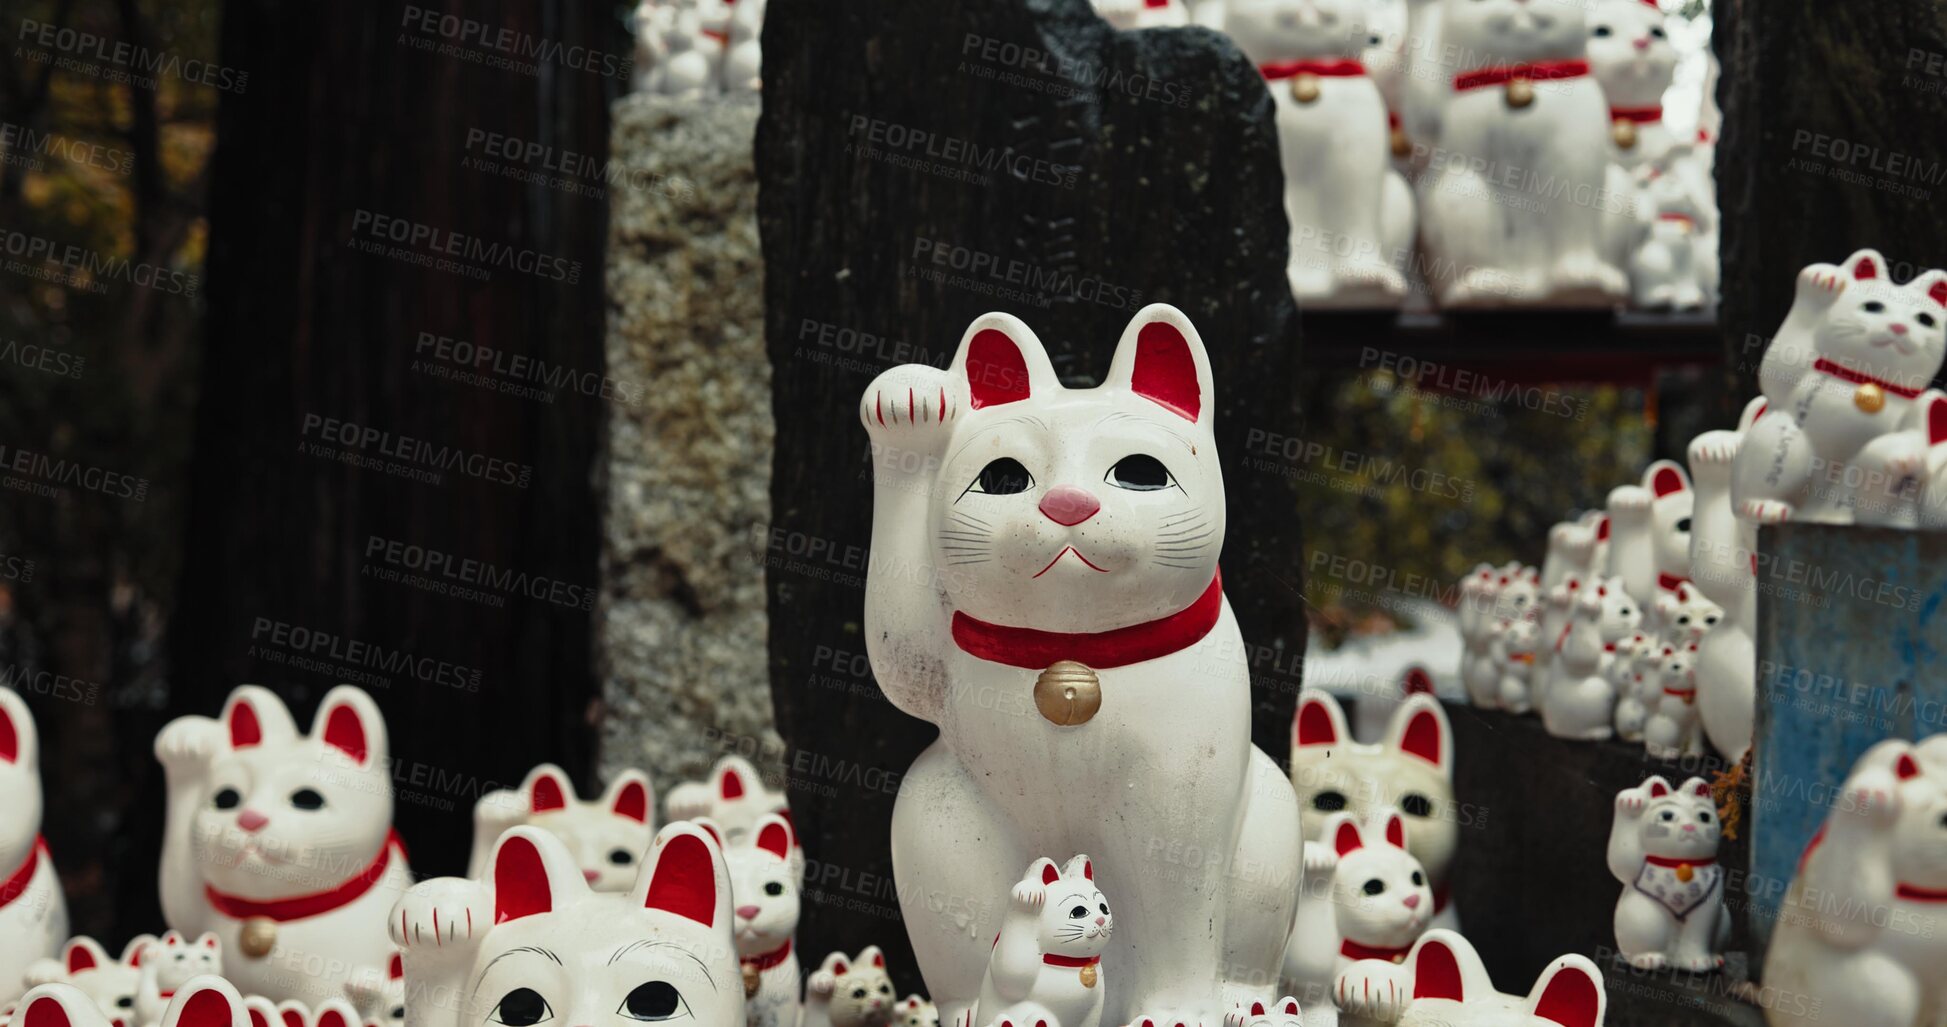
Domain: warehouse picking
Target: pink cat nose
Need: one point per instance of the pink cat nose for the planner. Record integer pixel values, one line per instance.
(252, 821)
(1897, 328)
(747, 912)
(1100, 920)
(591, 875)
(1412, 902)
(1068, 505)
(1690, 829)
(1643, 43)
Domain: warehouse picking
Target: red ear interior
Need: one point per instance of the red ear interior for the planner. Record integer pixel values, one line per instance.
(291, 1017)
(135, 958)
(633, 802)
(1347, 839)
(520, 881)
(1666, 481)
(209, 942)
(879, 960)
(1049, 874)
(395, 969)
(80, 957)
(1602, 530)
(731, 786)
(1906, 768)
(1658, 790)
(1417, 681)
(1570, 999)
(205, 1008)
(46, 1012)
(1938, 292)
(997, 373)
(1436, 974)
(1290, 1006)
(839, 969)
(1257, 1009)
(1864, 268)
(1315, 725)
(1702, 789)
(1422, 737)
(345, 732)
(1088, 869)
(775, 839)
(245, 731)
(257, 1018)
(332, 1018)
(684, 882)
(1165, 371)
(1395, 831)
(9, 741)
(1937, 419)
(545, 795)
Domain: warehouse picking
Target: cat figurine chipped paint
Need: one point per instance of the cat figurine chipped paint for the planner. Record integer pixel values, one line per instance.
(608, 835)
(33, 910)
(1663, 849)
(1334, 138)
(281, 843)
(1443, 984)
(1410, 770)
(1874, 347)
(1366, 897)
(849, 992)
(113, 984)
(1582, 702)
(1049, 951)
(764, 892)
(530, 942)
(203, 1001)
(1863, 927)
(1044, 588)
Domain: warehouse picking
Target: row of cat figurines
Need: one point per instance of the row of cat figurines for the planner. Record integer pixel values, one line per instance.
(692, 49)
(1640, 622)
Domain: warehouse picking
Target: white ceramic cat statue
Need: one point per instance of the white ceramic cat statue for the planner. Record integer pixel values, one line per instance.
(1129, 15)
(1044, 587)
(1863, 928)
(1906, 472)
(1509, 207)
(608, 835)
(204, 1001)
(914, 1011)
(850, 992)
(1050, 947)
(1411, 770)
(1791, 351)
(1366, 897)
(1672, 263)
(1874, 347)
(1671, 728)
(33, 911)
(281, 843)
(111, 983)
(764, 892)
(170, 963)
(1663, 849)
(1444, 984)
(743, 56)
(1723, 553)
(531, 942)
(1582, 702)
(380, 1001)
(1671, 504)
(1632, 58)
(1517, 635)
(1630, 672)
(1480, 592)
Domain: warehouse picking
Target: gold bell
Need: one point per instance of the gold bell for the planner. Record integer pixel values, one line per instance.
(1304, 87)
(1869, 398)
(1402, 146)
(1088, 976)
(753, 977)
(1067, 693)
(1623, 131)
(258, 937)
(1519, 93)
(1685, 872)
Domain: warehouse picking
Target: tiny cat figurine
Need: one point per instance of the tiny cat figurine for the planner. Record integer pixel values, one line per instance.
(734, 796)
(1670, 266)
(1630, 669)
(1333, 135)
(1366, 897)
(1050, 947)
(764, 890)
(1410, 770)
(1663, 849)
(1044, 588)
(743, 56)
(33, 910)
(531, 942)
(1517, 634)
(281, 843)
(111, 983)
(1671, 504)
(848, 992)
(1444, 984)
(1507, 209)
(1670, 729)
(380, 1001)
(1632, 58)
(1572, 545)
(203, 1001)
(1875, 346)
(1285, 1012)
(607, 835)
(167, 965)
(1582, 702)
(914, 1011)
(1480, 593)
(1863, 927)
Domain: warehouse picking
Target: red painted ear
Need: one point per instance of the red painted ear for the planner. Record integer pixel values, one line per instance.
(633, 802)
(1422, 737)
(1257, 1009)
(245, 731)
(1049, 874)
(210, 942)
(775, 839)
(1436, 973)
(1666, 481)
(1347, 839)
(997, 373)
(839, 969)
(710, 828)
(1315, 725)
(1657, 790)
(1417, 681)
(257, 1018)
(135, 958)
(520, 881)
(1165, 371)
(546, 795)
(46, 1011)
(1702, 789)
(1865, 268)
(10, 746)
(1570, 999)
(685, 882)
(291, 1017)
(1290, 1006)
(1906, 769)
(80, 957)
(1602, 530)
(878, 960)
(205, 1008)
(1938, 292)
(1937, 421)
(1088, 870)
(345, 732)
(332, 1018)
(731, 785)
(1395, 831)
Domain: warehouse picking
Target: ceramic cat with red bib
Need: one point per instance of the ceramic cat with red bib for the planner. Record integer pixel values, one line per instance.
(608, 834)
(33, 912)
(1663, 849)
(1049, 951)
(1044, 588)
(280, 842)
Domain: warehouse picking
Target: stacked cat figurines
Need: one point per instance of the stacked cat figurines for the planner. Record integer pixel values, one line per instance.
(33, 910)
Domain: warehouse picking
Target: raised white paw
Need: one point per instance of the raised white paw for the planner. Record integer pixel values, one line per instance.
(1030, 896)
(1629, 501)
(821, 983)
(907, 399)
(1361, 991)
(1631, 801)
(442, 913)
(188, 743)
(1320, 858)
(1765, 511)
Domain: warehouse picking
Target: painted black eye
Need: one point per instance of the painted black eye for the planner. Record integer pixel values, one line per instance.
(307, 798)
(1704, 817)
(1374, 886)
(1104, 907)
(1413, 804)
(1656, 32)
(398, 1013)
(1140, 472)
(885, 989)
(1078, 912)
(1625, 611)
(621, 857)
(521, 1007)
(228, 798)
(1418, 878)
(1684, 525)
(1003, 477)
(1925, 319)
(1685, 619)
(1328, 801)
(858, 992)
(1669, 815)
(773, 888)
(125, 1002)
(655, 1000)
(1872, 306)
(1602, 32)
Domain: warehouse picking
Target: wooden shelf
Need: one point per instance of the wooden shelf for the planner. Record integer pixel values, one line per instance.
(1525, 345)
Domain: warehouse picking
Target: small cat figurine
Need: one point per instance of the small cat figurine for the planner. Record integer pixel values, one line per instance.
(1663, 849)
(281, 843)
(380, 1001)
(1875, 346)
(1582, 702)
(167, 965)
(764, 890)
(1668, 266)
(33, 910)
(1366, 897)
(1480, 592)
(111, 983)
(531, 942)
(848, 992)
(203, 1001)
(914, 1011)
(1670, 729)
(608, 835)
(1863, 927)
(743, 56)
(1410, 770)
(1049, 951)
(1517, 634)
(1671, 504)
(1630, 671)
(1632, 58)
(1444, 984)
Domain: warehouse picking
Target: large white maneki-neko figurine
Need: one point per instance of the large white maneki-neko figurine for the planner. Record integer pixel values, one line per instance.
(1044, 588)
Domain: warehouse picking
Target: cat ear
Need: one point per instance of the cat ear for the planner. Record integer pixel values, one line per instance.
(547, 789)
(56, 1005)
(262, 1012)
(1319, 720)
(210, 941)
(1419, 728)
(1905, 768)
(1161, 358)
(1288, 1005)
(774, 836)
(684, 874)
(1570, 994)
(1665, 478)
(292, 1013)
(19, 741)
(1344, 833)
(838, 964)
(1602, 528)
(1866, 265)
(1931, 284)
(335, 1012)
(1257, 1009)
(1044, 870)
(630, 795)
(1416, 681)
(1445, 966)
(1697, 786)
(85, 953)
(710, 827)
(735, 778)
(1000, 361)
(1752, 411)
(395, 968)
(1656, 786)
(1079, 865)
(254, 715)
(206, 1001)
(533, 873)
(871, 956)
(349, 721)
(1395, 826)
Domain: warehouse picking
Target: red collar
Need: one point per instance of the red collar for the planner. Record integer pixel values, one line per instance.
(1669, 582)
(722, 37)
(16, 885)
(1639, 115)
(1665, 861)
(769, 959)
(1844, 373)
(282, 910)
(1540, 71)
(1054, 960)
(1337, 67)
(1918, 894)
(1035, 649)
(1353, 950)
(1684, 219)
(1688, 695)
